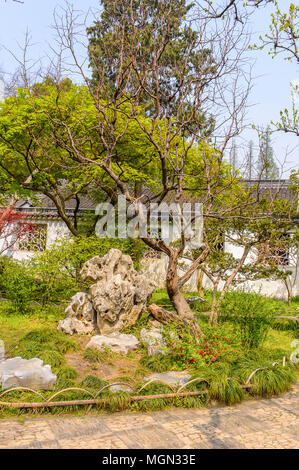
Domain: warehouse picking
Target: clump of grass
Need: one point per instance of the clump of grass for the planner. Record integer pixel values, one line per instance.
(59, 340)
(272, 380)
(67, 373)
(157, 363)
(118, 401)
(52, 357)
(92, 355)
(63, 382)
(93, 383)
(46, 344)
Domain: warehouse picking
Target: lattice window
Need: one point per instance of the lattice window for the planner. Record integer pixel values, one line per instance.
(36, 240)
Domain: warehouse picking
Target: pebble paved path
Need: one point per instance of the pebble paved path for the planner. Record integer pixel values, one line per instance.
(254, 424)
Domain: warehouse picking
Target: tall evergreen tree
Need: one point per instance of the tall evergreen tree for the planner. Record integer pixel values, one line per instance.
(266, 167)
(138, 48)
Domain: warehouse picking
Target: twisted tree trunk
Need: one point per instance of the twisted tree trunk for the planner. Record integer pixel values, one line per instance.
(176, 297)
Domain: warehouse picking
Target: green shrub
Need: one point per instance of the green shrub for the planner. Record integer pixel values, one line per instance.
(17, 283)
(251, 312)
(54, 274)
(185, 350)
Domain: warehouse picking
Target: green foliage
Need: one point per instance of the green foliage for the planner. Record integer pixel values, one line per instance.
(54, 274)
(251, 313)
(270, 378)
(93, 383)
(57, 269)
(184, 350)
(283, 33)
(92, 355)
(67, 373)
(17, 283)
(39, 116)
(223, 387)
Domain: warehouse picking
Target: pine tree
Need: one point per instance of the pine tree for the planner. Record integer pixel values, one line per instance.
(267, 168)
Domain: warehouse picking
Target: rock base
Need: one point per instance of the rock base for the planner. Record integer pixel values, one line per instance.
(117, 342)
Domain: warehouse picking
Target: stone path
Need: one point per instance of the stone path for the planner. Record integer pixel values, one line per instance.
(267, 423)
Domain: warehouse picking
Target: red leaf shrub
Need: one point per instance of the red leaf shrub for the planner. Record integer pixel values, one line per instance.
(13, 227)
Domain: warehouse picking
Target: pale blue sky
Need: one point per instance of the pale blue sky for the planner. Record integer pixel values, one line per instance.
(270, 93)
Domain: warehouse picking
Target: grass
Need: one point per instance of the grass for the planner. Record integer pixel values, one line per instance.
(36, 335)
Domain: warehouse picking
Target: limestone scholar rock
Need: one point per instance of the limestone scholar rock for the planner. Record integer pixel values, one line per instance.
(80, 316)
(117, 297)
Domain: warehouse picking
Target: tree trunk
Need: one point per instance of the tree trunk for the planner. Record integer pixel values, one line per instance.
(199, 282)
(165, 317)
(214, 313)
(162, 315)
(176, 297)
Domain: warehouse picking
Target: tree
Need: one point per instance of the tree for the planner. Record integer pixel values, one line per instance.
(260, 232)
(282, 38)
(152, 56)
(266, 166)
(31, 160)
(283, 34)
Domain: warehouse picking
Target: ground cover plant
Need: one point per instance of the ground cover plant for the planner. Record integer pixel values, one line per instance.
(222, 359)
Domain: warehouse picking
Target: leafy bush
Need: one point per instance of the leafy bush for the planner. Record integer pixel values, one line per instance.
(17, 283)
(251, 313)
(54, 274)
(57, 269)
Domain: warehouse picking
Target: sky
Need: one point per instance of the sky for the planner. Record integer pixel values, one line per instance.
(272, 77)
